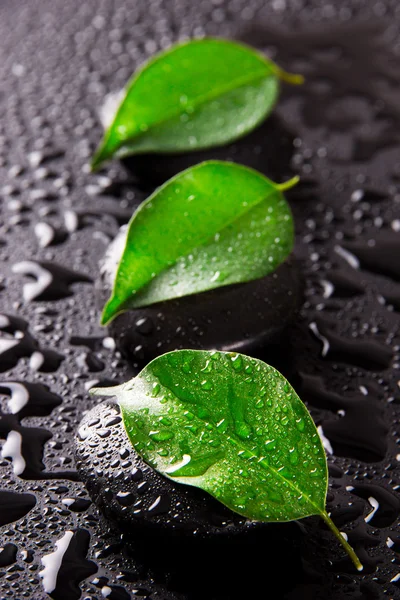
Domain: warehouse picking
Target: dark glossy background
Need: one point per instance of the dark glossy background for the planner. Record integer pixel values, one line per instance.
(341, 133)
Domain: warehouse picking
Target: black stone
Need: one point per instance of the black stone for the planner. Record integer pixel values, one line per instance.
(136, 497)
(239, 317)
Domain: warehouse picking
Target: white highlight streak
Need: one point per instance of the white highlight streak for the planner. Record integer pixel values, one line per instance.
(6, 344)
(44, 233)
(71, 221)
(52, 563)
(325, 442)
(375, 505)
(328, 287)
(33, 289)
(36, 361)
(12, 449)
(110, 106)
(321, 338)
(185, 460)
(4, 321)
(19, 396)
(348, 257)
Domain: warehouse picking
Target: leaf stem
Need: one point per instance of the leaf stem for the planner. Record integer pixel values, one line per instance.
(292, 78)
(287, 185)
(356, 561)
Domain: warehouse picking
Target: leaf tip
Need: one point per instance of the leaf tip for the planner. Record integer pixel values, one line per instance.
(104, 151)
(104, 319)
(108, 312)
(93, 166)
(97, 160)
(113, 307)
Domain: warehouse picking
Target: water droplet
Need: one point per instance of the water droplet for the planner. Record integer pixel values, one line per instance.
(208, 367)
(270, 445)
(236, 361)
(293, 456)
(206, 384)
(156, 389)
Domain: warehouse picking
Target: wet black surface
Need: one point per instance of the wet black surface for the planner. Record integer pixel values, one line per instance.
(340, 132)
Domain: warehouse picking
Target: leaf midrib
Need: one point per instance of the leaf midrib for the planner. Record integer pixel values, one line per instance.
(200, 100)
(242, 446)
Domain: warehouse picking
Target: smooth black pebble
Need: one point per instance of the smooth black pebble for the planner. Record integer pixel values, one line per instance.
(239, 317)
(136, 497)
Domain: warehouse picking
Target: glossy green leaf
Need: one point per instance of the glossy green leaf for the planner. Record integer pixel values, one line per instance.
(214, 224)
(232, 426)
(195, 95)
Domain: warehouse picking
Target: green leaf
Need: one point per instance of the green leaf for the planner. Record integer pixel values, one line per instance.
(232, 426)
(214, 224)
(195, 95)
